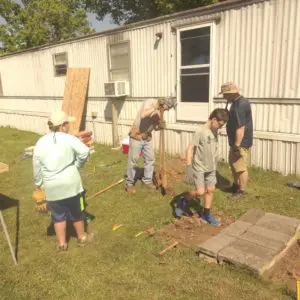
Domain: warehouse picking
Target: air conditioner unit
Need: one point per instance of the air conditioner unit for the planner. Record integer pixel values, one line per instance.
(116, 89)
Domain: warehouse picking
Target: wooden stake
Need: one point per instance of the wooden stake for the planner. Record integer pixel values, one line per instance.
(168, 248)
(115, 134)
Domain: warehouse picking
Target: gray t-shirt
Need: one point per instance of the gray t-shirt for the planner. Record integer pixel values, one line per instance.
(149, 122)
(205, 150)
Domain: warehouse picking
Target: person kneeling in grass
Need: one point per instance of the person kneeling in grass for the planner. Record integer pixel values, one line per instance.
(201, 164)
(57, 158)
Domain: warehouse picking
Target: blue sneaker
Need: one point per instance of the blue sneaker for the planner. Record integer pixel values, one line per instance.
(210, 219)
(180, 207)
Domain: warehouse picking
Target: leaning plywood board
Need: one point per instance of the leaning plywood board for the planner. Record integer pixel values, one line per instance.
(76, 90)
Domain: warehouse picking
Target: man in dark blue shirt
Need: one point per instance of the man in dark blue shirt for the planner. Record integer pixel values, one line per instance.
(240, 137)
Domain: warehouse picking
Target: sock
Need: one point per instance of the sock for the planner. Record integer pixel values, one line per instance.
(206, 212)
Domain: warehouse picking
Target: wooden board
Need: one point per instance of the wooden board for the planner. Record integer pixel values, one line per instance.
(75, 96)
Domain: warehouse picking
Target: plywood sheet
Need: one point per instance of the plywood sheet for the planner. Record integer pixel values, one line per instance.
(75, 96)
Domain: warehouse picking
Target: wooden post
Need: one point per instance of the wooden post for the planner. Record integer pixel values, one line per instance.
(115, 134)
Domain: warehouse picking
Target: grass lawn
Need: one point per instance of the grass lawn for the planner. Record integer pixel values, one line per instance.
(118, 265)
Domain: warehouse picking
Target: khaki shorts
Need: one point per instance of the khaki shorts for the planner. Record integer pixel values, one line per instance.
(204, 179)
(238, 161)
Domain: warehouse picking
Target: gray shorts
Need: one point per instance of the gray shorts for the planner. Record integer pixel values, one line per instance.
(204, 179)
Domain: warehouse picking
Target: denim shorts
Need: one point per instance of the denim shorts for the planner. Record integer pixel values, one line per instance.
(66, 209)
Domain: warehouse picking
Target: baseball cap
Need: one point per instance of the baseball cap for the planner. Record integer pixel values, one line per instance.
(229, 88)
(60, 117)
(171, 102)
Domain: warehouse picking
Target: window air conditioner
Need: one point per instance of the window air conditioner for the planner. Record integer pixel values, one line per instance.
(116, 89)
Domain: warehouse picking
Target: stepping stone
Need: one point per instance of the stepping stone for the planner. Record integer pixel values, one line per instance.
(213, 246)
(283, 224)
(247, 254)
(253, 215)
(237, 228)
(265, 237)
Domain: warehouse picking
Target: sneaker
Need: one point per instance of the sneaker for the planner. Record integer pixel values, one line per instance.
(180, 207)
(85, 239)
(62, 248)
(130, 189)
(238, 195)
(210, 219)
(150, 186)
(232, 189)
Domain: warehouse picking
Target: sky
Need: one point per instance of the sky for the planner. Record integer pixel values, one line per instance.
(103, 25)
(97, 25)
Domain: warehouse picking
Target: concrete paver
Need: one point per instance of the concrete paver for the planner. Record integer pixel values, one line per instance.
(213, 246)
(253, 215)
(278, 223)
(237, 228)
(247, 254)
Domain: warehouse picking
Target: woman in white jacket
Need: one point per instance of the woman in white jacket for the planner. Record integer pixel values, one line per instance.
(56, 162)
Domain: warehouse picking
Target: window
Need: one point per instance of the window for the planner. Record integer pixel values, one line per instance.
(195, 64)
(60, 62)
(119, 62)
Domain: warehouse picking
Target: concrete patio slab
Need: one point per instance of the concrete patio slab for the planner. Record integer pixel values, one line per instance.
(255, 242)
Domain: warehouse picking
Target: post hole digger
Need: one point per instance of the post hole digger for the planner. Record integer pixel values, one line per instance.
(160, 179)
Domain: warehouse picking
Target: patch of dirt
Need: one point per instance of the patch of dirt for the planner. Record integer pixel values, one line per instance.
(287, 270)
(191, 232)
(175, 170)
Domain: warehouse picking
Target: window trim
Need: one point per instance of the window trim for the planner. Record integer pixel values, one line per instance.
(211, 65)
(110, 70)
(55, 65)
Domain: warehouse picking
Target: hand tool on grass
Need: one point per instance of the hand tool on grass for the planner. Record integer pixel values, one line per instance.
(139, 234)
(151, 231)
(160, 177)
(117, 226)
(106, 189)
(168, 248)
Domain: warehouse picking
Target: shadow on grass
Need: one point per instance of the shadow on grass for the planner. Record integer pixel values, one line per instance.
(70, 228)
(191, 207)
(223, 183)
(5, 203)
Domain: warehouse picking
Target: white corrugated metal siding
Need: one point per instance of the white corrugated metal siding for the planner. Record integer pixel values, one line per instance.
(256, 45)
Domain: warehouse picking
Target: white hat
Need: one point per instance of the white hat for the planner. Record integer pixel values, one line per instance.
(60, 117)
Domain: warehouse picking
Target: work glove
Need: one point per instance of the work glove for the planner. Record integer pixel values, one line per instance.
(236, 151)
(189, 175)
(160, 103)
(162, 125)
(40, 200)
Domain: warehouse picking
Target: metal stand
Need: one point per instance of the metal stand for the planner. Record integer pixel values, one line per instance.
(8, 239)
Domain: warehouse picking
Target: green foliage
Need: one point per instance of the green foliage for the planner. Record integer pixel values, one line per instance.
(31, 23)
(128, 11)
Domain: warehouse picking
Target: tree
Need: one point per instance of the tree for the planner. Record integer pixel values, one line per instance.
(128, 11)
(31, 23)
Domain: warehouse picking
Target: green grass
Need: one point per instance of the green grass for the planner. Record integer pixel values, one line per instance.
(117, 265)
